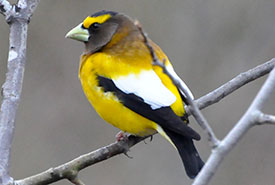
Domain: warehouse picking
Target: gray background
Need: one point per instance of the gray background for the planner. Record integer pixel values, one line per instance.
(208, 41)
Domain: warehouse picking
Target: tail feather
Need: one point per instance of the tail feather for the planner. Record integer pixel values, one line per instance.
(189, 155)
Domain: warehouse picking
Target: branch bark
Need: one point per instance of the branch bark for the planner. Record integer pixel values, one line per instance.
(249, 119)
(5, 7)
(193, 108)
(234, 84)
(18, 17)
(70, 169)
(266, 119)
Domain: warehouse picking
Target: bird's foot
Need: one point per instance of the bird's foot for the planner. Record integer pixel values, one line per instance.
(150, 139)
(127, 155)
(121, 136)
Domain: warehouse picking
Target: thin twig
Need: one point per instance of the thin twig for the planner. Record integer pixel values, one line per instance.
(193, 107)
(234, 84)
(5, 7)
(248, 120)
(69, 169)
(265, 119)
(77, 181)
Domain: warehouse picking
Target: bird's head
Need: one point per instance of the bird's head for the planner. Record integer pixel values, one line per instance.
(101, 29)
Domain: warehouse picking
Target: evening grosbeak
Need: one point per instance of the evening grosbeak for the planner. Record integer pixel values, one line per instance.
(127, 90)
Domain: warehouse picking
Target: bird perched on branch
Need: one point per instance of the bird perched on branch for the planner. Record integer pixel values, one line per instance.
(127, 90)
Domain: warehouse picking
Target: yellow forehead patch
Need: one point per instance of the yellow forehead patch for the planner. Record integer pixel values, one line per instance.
(100, 19)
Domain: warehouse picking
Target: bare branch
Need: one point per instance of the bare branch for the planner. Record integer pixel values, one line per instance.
(234, 84)
(11, 89)
(27, 7)
(77, 181)
(265, 119)
(69, 169)
(193, 107)
(5, 7)
(248, 120)
(265, 92)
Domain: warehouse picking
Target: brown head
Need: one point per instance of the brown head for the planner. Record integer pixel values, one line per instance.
(103, 29)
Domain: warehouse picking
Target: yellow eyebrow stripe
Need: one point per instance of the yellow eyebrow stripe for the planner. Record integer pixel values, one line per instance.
(100, 19)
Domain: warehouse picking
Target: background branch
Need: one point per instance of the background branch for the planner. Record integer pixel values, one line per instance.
(5, 7)
(249, 119)
(183, 88)
(18, 19)
(265, 119)
(70, 169)
(237, 82)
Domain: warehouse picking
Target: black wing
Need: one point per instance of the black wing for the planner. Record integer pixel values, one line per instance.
(164, 116)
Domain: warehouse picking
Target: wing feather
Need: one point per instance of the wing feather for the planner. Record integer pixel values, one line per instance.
(148, 86)
(163, 116)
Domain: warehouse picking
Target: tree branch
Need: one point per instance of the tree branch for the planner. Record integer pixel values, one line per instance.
(5, 7)
(70, 169)
(249, 119)
(12, 87)
(27, 7)
(234, 84)
(182, 87)
(265, 119)
(77, 181)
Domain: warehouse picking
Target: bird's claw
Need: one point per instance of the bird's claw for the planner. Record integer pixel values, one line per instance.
(121, 136)
(126, 154)
(151, 139)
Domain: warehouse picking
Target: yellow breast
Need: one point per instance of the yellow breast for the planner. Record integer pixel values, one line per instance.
(106, 104)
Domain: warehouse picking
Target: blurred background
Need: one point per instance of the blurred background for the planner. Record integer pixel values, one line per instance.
(208, 41)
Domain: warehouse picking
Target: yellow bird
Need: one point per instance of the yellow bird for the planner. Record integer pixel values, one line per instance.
(129, 92)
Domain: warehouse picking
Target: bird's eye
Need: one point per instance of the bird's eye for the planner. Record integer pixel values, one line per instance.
(95, 26)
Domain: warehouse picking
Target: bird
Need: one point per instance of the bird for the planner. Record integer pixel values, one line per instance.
(127, 90)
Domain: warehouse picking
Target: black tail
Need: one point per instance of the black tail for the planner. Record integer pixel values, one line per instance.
(188, 153)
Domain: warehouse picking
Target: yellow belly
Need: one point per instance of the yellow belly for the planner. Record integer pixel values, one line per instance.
(111, 109)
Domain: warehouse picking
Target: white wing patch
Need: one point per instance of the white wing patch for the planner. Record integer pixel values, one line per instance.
(148, 86)
(174, 74)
